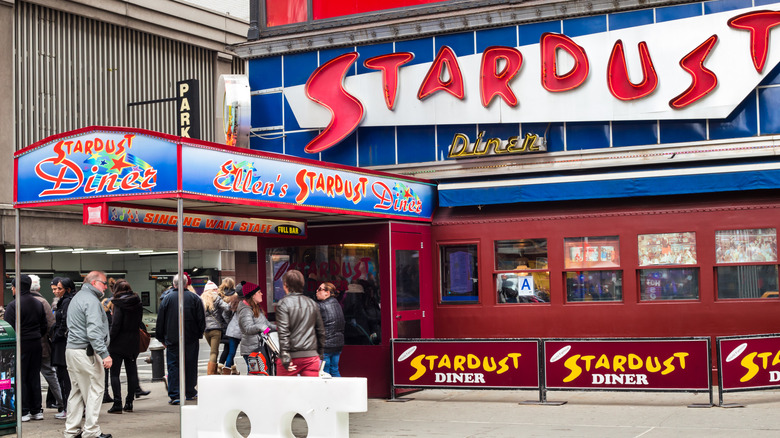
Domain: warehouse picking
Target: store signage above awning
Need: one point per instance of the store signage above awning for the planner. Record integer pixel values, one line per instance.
(694, 68)
(133, 217)
(462, 147)
(105, 164)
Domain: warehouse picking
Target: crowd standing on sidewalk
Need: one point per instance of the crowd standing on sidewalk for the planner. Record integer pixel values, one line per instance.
(85, 336)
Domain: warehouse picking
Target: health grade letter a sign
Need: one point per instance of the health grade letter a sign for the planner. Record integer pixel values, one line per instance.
(471, 363)
(95, 163)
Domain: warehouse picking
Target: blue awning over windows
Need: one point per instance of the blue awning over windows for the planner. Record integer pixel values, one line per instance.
(621, 184)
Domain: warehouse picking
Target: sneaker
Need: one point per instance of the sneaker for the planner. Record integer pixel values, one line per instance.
(174, 401)
(61, 415)
(38, 416)
(26, 418)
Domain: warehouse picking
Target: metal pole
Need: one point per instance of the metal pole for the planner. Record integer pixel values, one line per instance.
(182, 290)
(17, 268)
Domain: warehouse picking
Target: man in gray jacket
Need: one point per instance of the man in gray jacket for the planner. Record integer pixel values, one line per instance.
(301, 331)
(87, 355)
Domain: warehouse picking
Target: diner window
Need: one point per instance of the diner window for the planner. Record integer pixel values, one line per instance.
(746, 263)
(459, 280)
(527, 279)
(590, 264)
(668, 283)
(353, 270)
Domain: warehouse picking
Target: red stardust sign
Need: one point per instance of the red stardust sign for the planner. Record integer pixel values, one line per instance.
(628, 364)
(749, 362)
(475, 363)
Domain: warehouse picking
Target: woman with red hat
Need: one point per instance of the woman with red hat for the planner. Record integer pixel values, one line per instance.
(252, 320)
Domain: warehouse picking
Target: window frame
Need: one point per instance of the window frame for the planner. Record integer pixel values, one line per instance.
(743, 264)
(498, 272)
(584, 268)
(440, 247)
(696, 266)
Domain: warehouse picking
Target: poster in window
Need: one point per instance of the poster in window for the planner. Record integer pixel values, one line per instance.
(460, 272)
(667, 249)
(746, 246)
(607, 253)
(575, 256)
(592, 252)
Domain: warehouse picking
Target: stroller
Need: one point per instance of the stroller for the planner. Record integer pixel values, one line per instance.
(263, 362)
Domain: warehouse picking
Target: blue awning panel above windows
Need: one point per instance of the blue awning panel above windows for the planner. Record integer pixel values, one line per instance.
(612, 185)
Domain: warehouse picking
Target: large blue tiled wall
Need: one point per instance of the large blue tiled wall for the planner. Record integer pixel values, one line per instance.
(375, 146)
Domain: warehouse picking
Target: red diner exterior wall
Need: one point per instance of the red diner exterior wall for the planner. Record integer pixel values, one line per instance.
(707, 316)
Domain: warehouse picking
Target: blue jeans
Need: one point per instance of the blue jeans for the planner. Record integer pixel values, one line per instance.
(332, 364)
(232, 348)
(190, 373)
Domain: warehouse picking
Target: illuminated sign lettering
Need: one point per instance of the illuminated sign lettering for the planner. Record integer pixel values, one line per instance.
(132, 216)
(188, 107)
(461, 146)
(670, 75)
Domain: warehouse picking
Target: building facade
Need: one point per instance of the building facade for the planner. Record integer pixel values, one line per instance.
(73, 64)
(603, 169)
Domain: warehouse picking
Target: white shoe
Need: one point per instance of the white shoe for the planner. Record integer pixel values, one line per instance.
(26, 418)
(61, 415)
(38, 416)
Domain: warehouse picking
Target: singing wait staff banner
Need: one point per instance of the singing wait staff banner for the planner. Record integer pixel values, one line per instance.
(643, 364)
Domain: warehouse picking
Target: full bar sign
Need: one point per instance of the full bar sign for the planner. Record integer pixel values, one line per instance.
(188, 108)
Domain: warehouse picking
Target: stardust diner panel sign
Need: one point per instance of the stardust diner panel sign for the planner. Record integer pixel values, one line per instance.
(628, 364)
(279, 181)
(97, 164)
(698, 67)
(750, 362)
(468, 363)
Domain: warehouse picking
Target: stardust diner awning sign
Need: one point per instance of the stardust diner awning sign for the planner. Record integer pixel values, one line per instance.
(102, 164)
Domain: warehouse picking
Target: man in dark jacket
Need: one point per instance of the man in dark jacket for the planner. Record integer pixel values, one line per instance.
(168, 335)
(301, 331)
(30, 328)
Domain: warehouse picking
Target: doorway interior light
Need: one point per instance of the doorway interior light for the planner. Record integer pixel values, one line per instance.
(37, 248)
(90, 251)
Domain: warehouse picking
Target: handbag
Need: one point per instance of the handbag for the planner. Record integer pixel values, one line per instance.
(143, 340)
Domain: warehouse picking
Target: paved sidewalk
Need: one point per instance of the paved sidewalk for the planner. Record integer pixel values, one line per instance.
(459, 413)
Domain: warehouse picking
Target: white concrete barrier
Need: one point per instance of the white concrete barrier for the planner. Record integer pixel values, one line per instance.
(271, 402)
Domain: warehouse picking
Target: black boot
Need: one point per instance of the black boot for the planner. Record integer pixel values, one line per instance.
(140, 392)
(107, 398)
(128, 405)
(116, 408)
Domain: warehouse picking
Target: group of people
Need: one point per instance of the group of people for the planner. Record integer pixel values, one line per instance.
(77, 341)
(72, 344)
